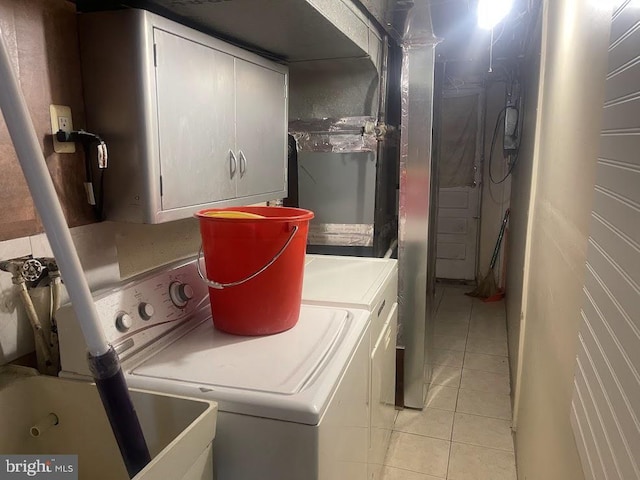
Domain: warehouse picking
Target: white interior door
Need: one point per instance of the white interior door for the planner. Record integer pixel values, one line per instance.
(460, 145)
(457, 247)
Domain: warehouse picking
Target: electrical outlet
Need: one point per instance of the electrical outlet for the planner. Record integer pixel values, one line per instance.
(61, 120)
(64, 123)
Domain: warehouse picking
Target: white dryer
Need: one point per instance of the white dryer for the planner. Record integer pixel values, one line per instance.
(292, 406)
(371, 284)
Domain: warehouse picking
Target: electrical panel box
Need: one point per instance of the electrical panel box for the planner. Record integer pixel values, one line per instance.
(511, 137)
(512, 119)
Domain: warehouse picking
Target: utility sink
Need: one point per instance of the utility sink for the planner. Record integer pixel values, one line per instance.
(179, 431)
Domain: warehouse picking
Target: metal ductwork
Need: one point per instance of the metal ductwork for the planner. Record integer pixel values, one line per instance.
(391, 15)
(418, 194)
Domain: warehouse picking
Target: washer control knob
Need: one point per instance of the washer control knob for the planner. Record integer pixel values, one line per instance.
(180, 293)
(124, 322)
(146, 310)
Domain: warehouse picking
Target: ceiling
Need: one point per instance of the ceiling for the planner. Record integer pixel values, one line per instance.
(294, 30)
(455, 22)
(284, 30)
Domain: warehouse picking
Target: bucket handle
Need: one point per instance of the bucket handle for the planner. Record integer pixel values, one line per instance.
(220, 286)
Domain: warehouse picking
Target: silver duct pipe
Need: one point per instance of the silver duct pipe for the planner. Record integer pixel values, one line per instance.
(383, 84)
(381, 215)
(415, 296)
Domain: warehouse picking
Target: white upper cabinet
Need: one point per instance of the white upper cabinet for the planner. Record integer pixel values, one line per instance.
(261, 98)
(190, 121)
(196, 109)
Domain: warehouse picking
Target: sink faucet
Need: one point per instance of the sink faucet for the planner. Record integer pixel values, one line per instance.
(25, 270)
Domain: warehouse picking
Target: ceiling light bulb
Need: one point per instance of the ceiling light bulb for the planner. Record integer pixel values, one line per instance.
(492, 12)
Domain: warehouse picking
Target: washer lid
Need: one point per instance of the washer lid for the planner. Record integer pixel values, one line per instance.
(278, 364)
(344, 280)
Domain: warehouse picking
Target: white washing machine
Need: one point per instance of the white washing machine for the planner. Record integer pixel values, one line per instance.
(370, 284)
(292, 406)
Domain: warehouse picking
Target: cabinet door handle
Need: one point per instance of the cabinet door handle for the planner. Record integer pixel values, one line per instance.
(233, 164)
(243, 163)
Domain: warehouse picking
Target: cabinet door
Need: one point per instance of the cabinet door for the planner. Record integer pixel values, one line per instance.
(261, 129)
(195, 95)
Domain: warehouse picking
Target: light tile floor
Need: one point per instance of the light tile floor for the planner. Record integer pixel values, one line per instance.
(464, 431)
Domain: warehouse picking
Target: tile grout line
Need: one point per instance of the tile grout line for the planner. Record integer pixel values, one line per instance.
(455, 411)
(473, 390)
(451, 442)
(504, 374)
(483, 446)
(512, 452)
(421, 436)
(489, 354)
(427, 436)
(480, 370)
(464, 356)
(453, 421)
(485, 391)
(415, 471)
(453, 425)
(468, 328)
(493, 392)
(432, 408)
(474, 444)
(483, 416)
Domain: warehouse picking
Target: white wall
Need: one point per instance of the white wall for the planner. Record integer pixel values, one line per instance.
(495, 198)
(108, 252)
(520, 200)
(574, 48)
(606, 397)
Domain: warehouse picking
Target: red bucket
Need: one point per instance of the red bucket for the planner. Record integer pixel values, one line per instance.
(254, 267)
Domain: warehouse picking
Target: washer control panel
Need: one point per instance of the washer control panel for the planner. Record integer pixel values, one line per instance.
(156, 299)
(146, 310)
(124, 322)
(180, 293)
(137, 312)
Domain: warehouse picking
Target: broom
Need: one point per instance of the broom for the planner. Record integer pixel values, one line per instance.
(487, 286)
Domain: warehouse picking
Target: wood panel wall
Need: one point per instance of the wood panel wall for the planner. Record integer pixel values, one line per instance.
(42, 39)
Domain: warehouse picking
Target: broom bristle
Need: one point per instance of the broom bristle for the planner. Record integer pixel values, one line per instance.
(486, 287)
